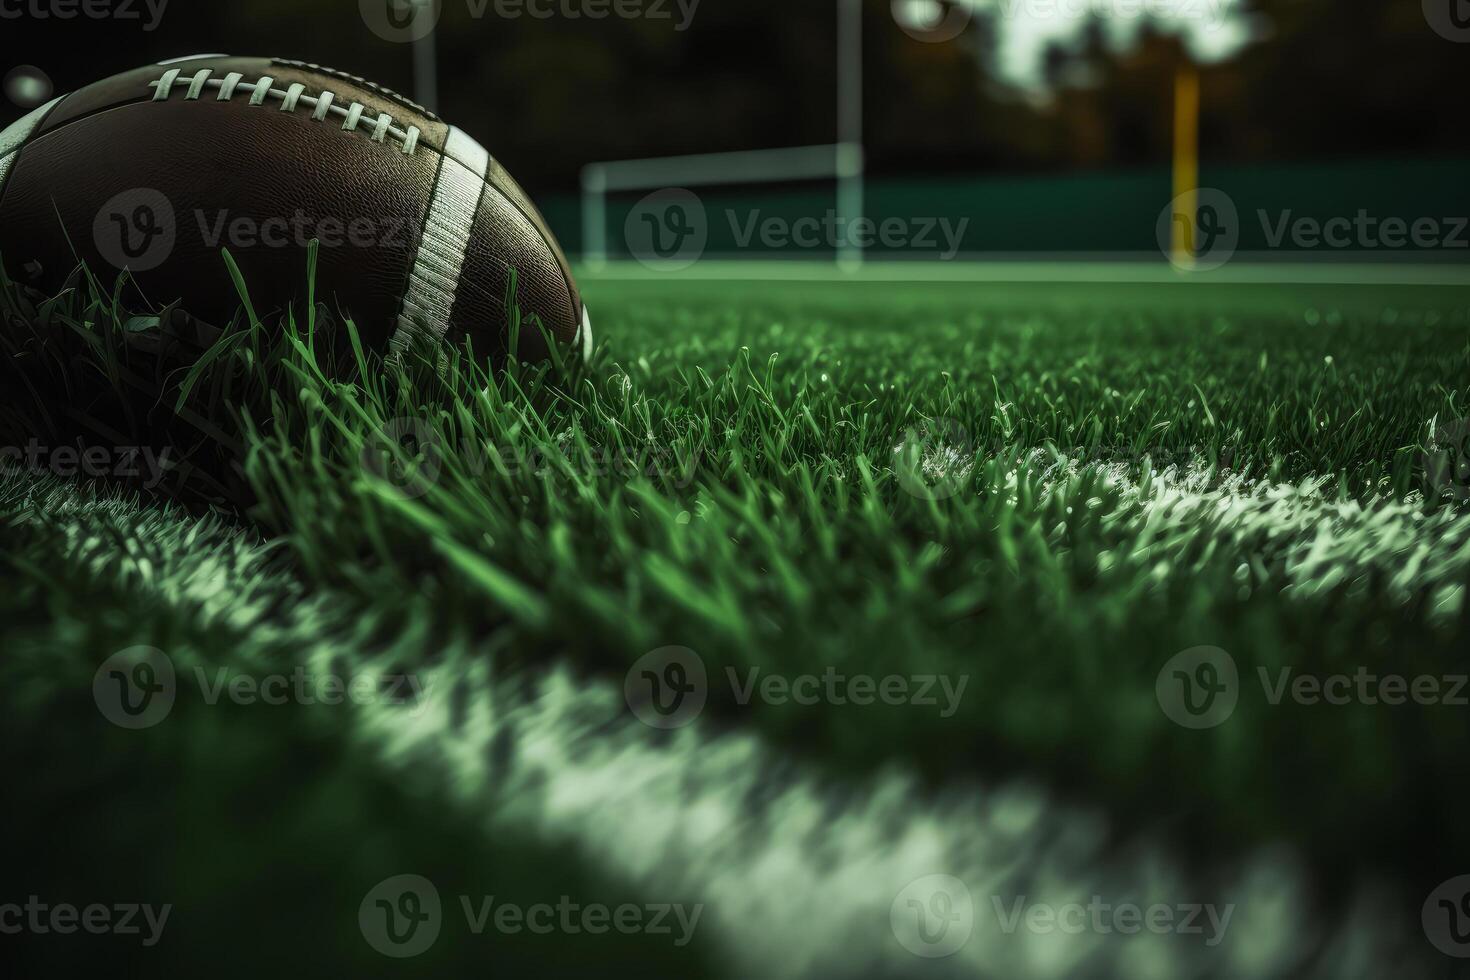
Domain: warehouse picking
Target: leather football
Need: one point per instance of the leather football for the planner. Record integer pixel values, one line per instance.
(157, 171)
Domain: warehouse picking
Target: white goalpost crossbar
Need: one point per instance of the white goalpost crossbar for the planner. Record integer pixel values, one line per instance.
(841, 161)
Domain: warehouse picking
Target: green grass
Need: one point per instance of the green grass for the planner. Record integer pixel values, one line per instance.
(1050, 495)
(262, 825)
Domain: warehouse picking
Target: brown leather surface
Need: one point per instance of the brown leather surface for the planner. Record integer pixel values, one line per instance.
(224, 166)
(503, 182)
(503, 236)
(130, 86)
(221, 164)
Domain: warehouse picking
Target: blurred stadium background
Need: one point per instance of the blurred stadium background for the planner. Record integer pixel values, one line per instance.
(1059, 128)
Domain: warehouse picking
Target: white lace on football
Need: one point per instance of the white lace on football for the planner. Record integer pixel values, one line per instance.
(354, 115)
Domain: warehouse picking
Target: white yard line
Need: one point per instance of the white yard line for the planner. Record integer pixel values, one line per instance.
(803, 874)
(799, 875)
(1316, 541)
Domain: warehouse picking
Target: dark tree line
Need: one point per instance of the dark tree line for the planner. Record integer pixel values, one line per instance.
(1332, 78)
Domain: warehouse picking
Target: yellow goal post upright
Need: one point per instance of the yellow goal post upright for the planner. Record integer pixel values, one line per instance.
(1186, 163)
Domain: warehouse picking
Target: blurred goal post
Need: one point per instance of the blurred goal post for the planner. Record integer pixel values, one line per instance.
(842, 161)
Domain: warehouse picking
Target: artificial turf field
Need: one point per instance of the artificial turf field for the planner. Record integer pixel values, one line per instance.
(1041, 491)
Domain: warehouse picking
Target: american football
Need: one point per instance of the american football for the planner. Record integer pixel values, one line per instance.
(153, 172)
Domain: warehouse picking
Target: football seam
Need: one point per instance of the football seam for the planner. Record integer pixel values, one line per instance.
(324, 104)
(437, 270)
(358, 80)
